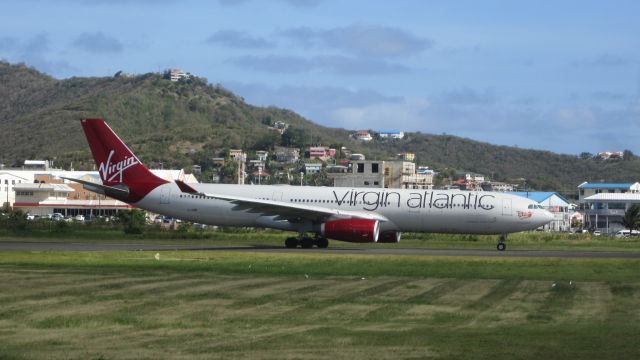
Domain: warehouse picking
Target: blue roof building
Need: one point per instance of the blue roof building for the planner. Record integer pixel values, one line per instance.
(588, 189)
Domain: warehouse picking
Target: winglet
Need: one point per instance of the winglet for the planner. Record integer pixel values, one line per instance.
(186, 188)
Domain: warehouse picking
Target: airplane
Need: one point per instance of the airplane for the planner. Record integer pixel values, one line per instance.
(359, 215)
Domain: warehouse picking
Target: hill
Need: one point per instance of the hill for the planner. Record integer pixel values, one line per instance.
(186, 122)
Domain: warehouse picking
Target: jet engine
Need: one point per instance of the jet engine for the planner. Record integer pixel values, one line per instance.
(389, 237)
(351, 230)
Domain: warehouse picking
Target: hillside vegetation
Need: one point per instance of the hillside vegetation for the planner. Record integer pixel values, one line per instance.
(188, 122)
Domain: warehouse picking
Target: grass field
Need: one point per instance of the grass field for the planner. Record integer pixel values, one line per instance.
(113, 305)
(242, 237)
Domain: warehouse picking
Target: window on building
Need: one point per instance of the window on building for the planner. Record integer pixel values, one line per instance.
(582, 192)
(376, 183)
(374, 168)
(617, 206)
(360, 167)
(611, 191)
(366, 183)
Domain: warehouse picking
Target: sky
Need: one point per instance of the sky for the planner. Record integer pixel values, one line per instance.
(559, 75)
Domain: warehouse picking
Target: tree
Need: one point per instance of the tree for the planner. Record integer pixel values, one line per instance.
(586, 155)
(133, 221)
(631, 218)
(627, 155)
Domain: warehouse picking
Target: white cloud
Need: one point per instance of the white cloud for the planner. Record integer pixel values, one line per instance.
(97, 42)
(361, 40)
(238, 39)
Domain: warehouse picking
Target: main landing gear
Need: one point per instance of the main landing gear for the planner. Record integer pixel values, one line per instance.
(502, 244)
(306, 242)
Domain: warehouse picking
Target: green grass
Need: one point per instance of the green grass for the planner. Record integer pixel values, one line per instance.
(107, 233)
(199, 304)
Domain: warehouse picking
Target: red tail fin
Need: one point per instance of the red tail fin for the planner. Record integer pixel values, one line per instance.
(117, 165)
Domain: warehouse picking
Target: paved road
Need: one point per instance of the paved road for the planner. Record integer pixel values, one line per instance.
(53, 246)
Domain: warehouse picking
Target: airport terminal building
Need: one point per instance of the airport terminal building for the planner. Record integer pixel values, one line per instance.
(42, 191)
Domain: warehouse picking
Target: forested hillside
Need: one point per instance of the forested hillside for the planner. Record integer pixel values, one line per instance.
(190, 121)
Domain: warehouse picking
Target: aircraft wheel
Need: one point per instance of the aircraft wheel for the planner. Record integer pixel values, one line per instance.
(306, 243)
(322, 243)
(291, 243)
(501, 246)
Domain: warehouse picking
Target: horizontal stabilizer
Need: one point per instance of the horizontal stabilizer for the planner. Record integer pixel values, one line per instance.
(119, 192)
(185, 188)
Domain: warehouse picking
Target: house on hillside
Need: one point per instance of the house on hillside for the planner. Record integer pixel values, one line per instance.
(362, 135)
(321, 152)
(391, 134)
(287, 155)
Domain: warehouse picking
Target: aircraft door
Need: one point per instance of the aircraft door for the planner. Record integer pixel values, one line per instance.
(165, 195)
(277, 196)
(506, 207)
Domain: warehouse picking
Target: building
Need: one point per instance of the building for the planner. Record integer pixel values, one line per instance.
(360, 173)
(176, 74)
(588, 189)
(391, 134)
(259, 176)
(604, 211)
(321, 152)
(362, 135)
(43, 192)
(312, 168)
(382, 174)
(240, 157)
(262, 155)
(606, 155)
(36, 165)
(501, 186)
(287, 155)
(8, 180)
(555, 203)
(407, 156)
(48, 198)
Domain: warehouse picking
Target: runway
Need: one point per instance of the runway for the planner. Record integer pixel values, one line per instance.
(67, 246)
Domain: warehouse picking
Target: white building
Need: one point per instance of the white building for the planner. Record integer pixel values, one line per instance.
(44, 192)
(604, 211)
(312, 168)
(587, 189)
(363, 135)
(8, 180)
(391, 134)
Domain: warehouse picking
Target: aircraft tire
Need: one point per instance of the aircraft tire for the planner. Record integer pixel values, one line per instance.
(306, 243)
(322, 243)
(291, 243)
(501, 246)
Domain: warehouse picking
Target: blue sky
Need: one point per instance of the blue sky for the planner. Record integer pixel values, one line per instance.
(562, 76)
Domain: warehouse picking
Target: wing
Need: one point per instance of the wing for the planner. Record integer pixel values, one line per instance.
(284, 210)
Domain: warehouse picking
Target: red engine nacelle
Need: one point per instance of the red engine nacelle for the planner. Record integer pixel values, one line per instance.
(352, 230)
(390, 237)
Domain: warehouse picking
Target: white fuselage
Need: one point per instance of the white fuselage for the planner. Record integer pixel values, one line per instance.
(444, 211)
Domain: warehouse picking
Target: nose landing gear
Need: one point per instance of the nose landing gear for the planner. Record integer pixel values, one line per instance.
(502, 244)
